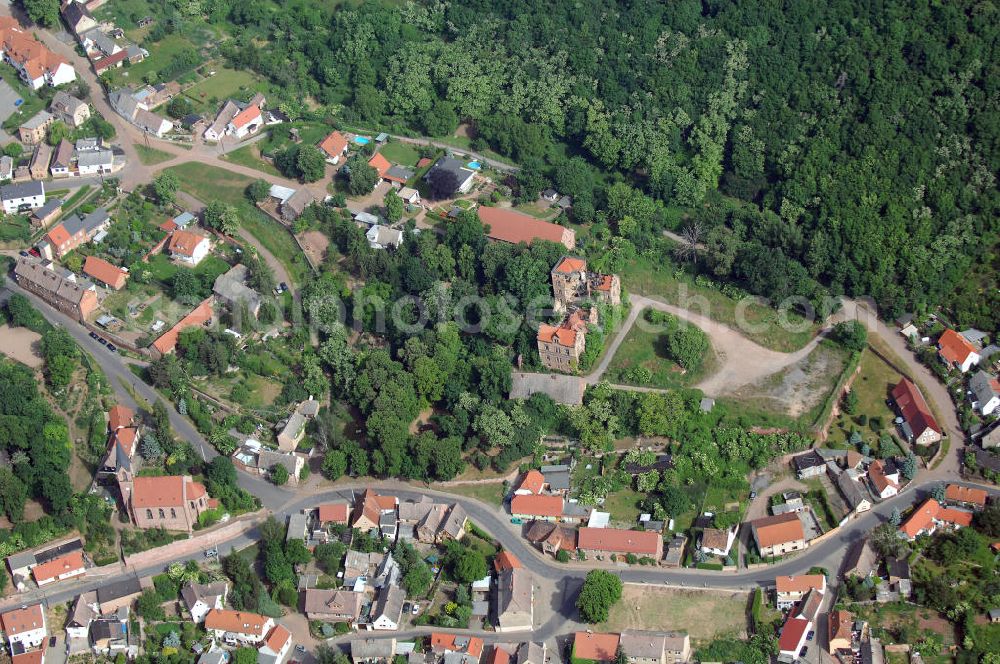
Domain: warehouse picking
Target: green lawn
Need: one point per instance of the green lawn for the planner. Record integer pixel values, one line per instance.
(277, 239)
(400, 153)
(648, 276)
(151, 156)
(210, 92)
(249, 156)
(161, 53)
(164, 269)
(646, 348)
(32, 102)
(491, 494)
(210, 183)
(872, 387)
(623, 506)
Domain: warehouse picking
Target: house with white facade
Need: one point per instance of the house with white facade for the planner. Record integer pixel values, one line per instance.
(200, 598)
(24, 627)
(22, 196)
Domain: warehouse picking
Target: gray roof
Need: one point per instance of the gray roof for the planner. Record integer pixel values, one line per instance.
(74, 12)
(981, 385)
(294, 424)
(133, 51)
(65, 103)
(400, 172)
(366, 218)
(37, 120)
(149, 121)
(299, 201)
(373, 649)
(104, 43)
(382, 236)
(561, 388)
(531, 653)
(85, 144)
(94, 158)
(453, 165)
(49, 280)
(124, 103)
(214, 657)
(22, 559)
(297, 526)
(389, 603)
(10, 192)
(207, 592)
(558, 480)
(89, 223)
(851, 490)
(231, 288)
(130, 585)
(972, 335)
(269, 458)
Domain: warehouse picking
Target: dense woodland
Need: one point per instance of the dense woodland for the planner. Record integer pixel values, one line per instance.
(847, 146)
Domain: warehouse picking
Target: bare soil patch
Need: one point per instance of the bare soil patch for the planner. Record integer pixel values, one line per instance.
(21, 344)
(315, 244)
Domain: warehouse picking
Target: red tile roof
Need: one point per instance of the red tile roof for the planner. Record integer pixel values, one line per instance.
(914, 409)
(780, 529)
(570, 264)
(105, 272)
(924, 516)
(598, 647)
(498, 656)
(71, 562)
(557, 335)
(126, 437)
(506, 560)
(119, 416)
(529, 505)
(840, 624)
(379, 163)
(334, 513)
(166, 491)
(334, 144)
(278, 637)
(963, 494)
(239, 622)
(507, 225)
(800, 583)
(533, 481)
(791, 634)
(876, 472)
(441, 642)
(58, 236)
(246, 116)
(110, 61)
(185, 242)
(199, 315)
(424, 161)
(18, 621)
(638, 542)
(36, 656)
(953, 347)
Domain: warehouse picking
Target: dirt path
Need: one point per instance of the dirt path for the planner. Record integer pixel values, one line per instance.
(741, 361)
(21, 344)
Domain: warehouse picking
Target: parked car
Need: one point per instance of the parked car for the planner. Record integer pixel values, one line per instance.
(112, 348)
(300, 648)
(212, 553)
(516, 521)
(93, 335)
(283, 286)
(416, 608)
(810, 635)
(805, 651)
(24, 253)
(753, 495)
(102, 341)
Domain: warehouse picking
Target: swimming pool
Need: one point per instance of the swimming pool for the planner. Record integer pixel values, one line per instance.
(474, 165)
(362, 140)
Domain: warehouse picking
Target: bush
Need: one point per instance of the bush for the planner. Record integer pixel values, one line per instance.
(562, 556)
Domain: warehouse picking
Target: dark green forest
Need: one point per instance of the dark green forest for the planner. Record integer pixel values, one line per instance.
(844, 147)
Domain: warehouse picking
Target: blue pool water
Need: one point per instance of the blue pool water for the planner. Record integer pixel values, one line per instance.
(474, 165)
(362, 140)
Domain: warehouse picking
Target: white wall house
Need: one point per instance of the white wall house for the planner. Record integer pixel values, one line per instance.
(23, 196)
(25, 627)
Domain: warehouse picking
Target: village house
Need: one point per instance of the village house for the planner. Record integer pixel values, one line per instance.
(83, 611)
(471, 646)
(884, 479)
(69, 109)
(717, 541)
(531, 484)
(230, 288)
(608, 541)
(276, 646)
(514, 598)
(778, 535)
(6, 167)
(840, 625)
(188, 247)
(62, 163)
(222, 119)
(38, 167)
(105, 273)
(854, 494)
(791, 589)
(72, 232)
(173, 502)
(387, 612)
(918, 425)
(292, 432)
(462, 175)
(638, 647)
(200, 315)
(24, 627)
(333, 513)
(931, 515)
(985, 391)
(334, 146)
(810, 464)
(373, 651)
(95, 162)
(506, 225)
(78, 17)
(370, 508)
(956, 351)
(132, 106)
(332, 605)
(66, 566)
(572, 282)
(22, 197)
(971, 497)
(35, 63)
(537, 507)
(550, 537)
(43, 216)
(33, 131)
(383, 237)
(200, 598)
(238, 627)
(120, 594)
(67, 296)
(249, 120)
(22, 563)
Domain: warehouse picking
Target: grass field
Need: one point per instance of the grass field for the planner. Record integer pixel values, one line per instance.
(151, 156)
(491, 494)
(210, 183)
(623, 506)
(763, 324)
(208, 93)
(400, 153)
(164, 269)
(872, 387)
(704, 615)
(646, 348)
(277, 240)
(249, 156)
(32, 102)
(161, 53)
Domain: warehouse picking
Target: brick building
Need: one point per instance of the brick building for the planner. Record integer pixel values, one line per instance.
(572, 282)
(173, 502)
(67, 296)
